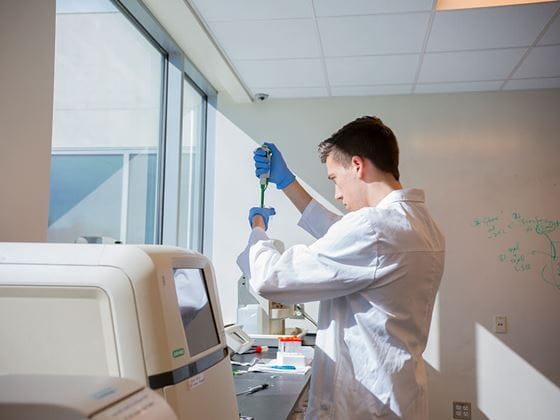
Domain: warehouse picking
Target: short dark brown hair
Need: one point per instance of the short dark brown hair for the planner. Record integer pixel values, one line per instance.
(366, 137)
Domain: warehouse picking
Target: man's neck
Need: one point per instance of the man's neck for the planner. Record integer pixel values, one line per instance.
(377, 191)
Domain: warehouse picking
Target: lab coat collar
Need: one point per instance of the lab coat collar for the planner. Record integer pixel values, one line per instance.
(407, 194)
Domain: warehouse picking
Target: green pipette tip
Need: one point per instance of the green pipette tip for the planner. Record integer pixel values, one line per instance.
(263, 188)
(264, 184)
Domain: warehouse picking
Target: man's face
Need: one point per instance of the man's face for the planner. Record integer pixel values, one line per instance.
(347, 185)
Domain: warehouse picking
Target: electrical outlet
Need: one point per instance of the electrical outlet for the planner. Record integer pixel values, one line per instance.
(461, 410)
(500, 324)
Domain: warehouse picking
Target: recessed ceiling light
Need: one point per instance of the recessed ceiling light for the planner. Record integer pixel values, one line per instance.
(471, 4)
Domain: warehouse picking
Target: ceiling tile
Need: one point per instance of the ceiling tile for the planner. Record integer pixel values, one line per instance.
(363, 7)
(458, 87)
(541, 62)
(496, 27)
(228, 10)
(552, 34)
(467, 66)
(372, 70)
(302, 92)
(371, 90)
(282, 73)
(516, 84)
(268, 39)
(369, 35)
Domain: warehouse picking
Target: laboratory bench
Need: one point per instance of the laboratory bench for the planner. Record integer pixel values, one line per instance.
(285, 396)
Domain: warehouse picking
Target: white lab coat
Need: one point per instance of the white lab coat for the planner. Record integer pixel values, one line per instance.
(376, 272)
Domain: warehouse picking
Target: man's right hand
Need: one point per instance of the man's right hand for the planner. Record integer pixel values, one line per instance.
(280, 175)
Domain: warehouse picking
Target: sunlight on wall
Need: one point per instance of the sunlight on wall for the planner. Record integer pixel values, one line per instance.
(431, 355)
(236, 190)
(508, 386)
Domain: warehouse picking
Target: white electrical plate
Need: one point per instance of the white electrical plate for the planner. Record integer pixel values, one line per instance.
(500, 324)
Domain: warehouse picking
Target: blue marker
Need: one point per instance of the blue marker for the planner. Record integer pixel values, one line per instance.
(285, 367)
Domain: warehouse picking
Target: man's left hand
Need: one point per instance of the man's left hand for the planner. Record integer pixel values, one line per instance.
(258, 217)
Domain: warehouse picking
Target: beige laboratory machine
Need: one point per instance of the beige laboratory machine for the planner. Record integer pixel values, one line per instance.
(73, 397)
(149, 313)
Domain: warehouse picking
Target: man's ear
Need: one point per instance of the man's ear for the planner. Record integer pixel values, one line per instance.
(358, 165)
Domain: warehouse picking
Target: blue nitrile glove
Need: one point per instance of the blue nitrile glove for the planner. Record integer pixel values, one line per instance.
(279, 172)
(264, 212)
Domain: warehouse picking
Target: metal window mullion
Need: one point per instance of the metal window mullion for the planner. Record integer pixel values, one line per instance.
(124, 197)
(172, 160)
(201, 159)
(209, 112)
(160, 175)
(192, 186)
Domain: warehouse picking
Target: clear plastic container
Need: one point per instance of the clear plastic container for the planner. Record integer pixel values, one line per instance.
(289, 345)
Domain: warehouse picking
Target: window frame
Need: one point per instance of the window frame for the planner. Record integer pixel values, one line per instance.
(203, 167)
(176, 68)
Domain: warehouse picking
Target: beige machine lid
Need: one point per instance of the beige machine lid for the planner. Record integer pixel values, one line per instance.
(81, 395)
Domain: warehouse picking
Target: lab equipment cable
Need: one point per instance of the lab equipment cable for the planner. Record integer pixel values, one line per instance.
(300, 311)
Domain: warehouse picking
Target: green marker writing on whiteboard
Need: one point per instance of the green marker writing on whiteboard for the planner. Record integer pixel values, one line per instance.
(263, 178)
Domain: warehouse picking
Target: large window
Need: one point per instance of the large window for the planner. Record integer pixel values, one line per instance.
(106, 130)
(112, 113)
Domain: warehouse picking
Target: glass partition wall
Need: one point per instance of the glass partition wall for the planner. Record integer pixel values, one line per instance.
(112, 134)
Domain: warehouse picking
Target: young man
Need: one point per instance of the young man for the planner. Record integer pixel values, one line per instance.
(375, 271)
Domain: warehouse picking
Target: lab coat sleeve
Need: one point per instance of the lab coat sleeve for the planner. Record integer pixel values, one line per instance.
(342, 262)
(316, 219)
(257, 234)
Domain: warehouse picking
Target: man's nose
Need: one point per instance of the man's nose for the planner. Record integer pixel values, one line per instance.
(337, 195)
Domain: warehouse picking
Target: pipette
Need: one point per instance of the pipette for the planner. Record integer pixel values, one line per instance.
(263, 178)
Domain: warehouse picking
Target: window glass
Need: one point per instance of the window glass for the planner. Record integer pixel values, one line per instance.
(106, 128)
(191, 184)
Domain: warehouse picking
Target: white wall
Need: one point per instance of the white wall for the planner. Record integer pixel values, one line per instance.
(476, 155)
(26, 103)
(236, 190)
